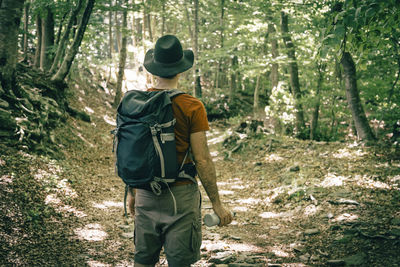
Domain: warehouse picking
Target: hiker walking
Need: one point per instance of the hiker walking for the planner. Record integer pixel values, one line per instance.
(167, 206)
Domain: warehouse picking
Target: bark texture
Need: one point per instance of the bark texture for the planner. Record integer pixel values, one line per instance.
(315, 113)
(73, 50)
(122, 61)
(47, 40)
(10, 17)
(26, 23)
(364, 131)
(197, 82)
(64, 39)
(38, 41)
(274, 76)
(293, 72)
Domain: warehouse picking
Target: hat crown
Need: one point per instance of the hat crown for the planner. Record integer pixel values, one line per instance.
(168, 50)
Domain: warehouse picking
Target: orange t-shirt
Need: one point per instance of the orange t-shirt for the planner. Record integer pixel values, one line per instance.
(191, 117)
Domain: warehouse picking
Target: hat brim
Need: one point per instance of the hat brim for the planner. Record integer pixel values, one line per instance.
(167, 70)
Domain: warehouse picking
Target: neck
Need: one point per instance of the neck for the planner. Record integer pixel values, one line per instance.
(162, 83)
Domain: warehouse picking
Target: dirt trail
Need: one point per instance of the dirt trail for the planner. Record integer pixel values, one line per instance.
(297, 203)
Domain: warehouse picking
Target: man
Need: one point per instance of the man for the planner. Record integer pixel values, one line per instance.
(156, 225)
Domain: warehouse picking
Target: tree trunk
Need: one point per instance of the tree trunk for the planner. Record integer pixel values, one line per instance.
(117, 30)
(138, 31)
(163, 18)
(149, 27)
(10, 17)
(197, 81)
(274, 76)
(219, 75)
(26, 23)
(110, 42)
(47, 40)
(256, 107)
(39, 41)
(64, 39)
(315, 114)
(58, 36)
(232, 85)
(122, 61)
(294, 74)
(364, 131)
(73, 50)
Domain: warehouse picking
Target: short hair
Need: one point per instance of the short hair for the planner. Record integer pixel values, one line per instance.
(168, 77)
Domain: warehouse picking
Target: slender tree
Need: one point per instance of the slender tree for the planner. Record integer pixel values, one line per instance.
(10, 17)
(274, 75)
(64, 39)
(218, 73)
(25, 36)
(197, 81)
(38, 41)
(315, 113)
(293, 72)
(122, 60)
(47, 40)
(364, 131)
(73, 50)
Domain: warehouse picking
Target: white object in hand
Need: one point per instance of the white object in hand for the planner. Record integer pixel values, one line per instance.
(211, 219)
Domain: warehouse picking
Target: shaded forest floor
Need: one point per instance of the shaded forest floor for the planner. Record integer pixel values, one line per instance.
(297, 203)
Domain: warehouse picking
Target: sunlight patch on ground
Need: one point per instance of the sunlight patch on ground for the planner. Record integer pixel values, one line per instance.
(396, 181)
(59, 206)
(124, 263)
(84, 140)
(367, 182)
(222, 245)
(89, 110)
(249, 201)
(280, 252)
(273, 215)
(5, 179)
(345, 153)
(108, 204)
(51, 179)
(91, 232)
(226, 192)
(92, 263)
(273, 158)
(311, 210)
(240, 209)
(238, 187)
(109, 120)
(214, 153)
(332, 179)
(346, 217)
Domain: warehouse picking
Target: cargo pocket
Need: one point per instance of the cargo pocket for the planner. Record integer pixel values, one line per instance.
(196, 236)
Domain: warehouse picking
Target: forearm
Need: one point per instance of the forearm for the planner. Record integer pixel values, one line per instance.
(208, 178)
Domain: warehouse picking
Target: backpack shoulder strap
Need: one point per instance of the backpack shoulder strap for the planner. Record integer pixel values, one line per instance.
(173, 93)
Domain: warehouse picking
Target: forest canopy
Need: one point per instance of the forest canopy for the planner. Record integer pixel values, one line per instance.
(321, 70)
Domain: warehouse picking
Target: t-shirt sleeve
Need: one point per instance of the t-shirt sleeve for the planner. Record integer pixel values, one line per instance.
(199, 121)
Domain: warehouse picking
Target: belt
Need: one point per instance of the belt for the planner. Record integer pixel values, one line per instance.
(182, 182)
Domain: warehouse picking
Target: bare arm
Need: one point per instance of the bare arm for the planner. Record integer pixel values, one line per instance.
(206, 169)
(131, 201)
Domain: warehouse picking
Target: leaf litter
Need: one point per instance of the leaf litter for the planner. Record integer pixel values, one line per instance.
(296, 203)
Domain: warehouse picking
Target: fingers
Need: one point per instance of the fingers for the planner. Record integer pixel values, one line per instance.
(226, 218)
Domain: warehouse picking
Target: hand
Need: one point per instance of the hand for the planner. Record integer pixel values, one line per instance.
(224, 215)
(131, 203)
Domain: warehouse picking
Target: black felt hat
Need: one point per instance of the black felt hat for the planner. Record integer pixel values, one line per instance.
(168, 58)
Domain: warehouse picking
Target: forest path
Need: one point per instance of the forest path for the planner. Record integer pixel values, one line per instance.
(297, 203)
(104, 234)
